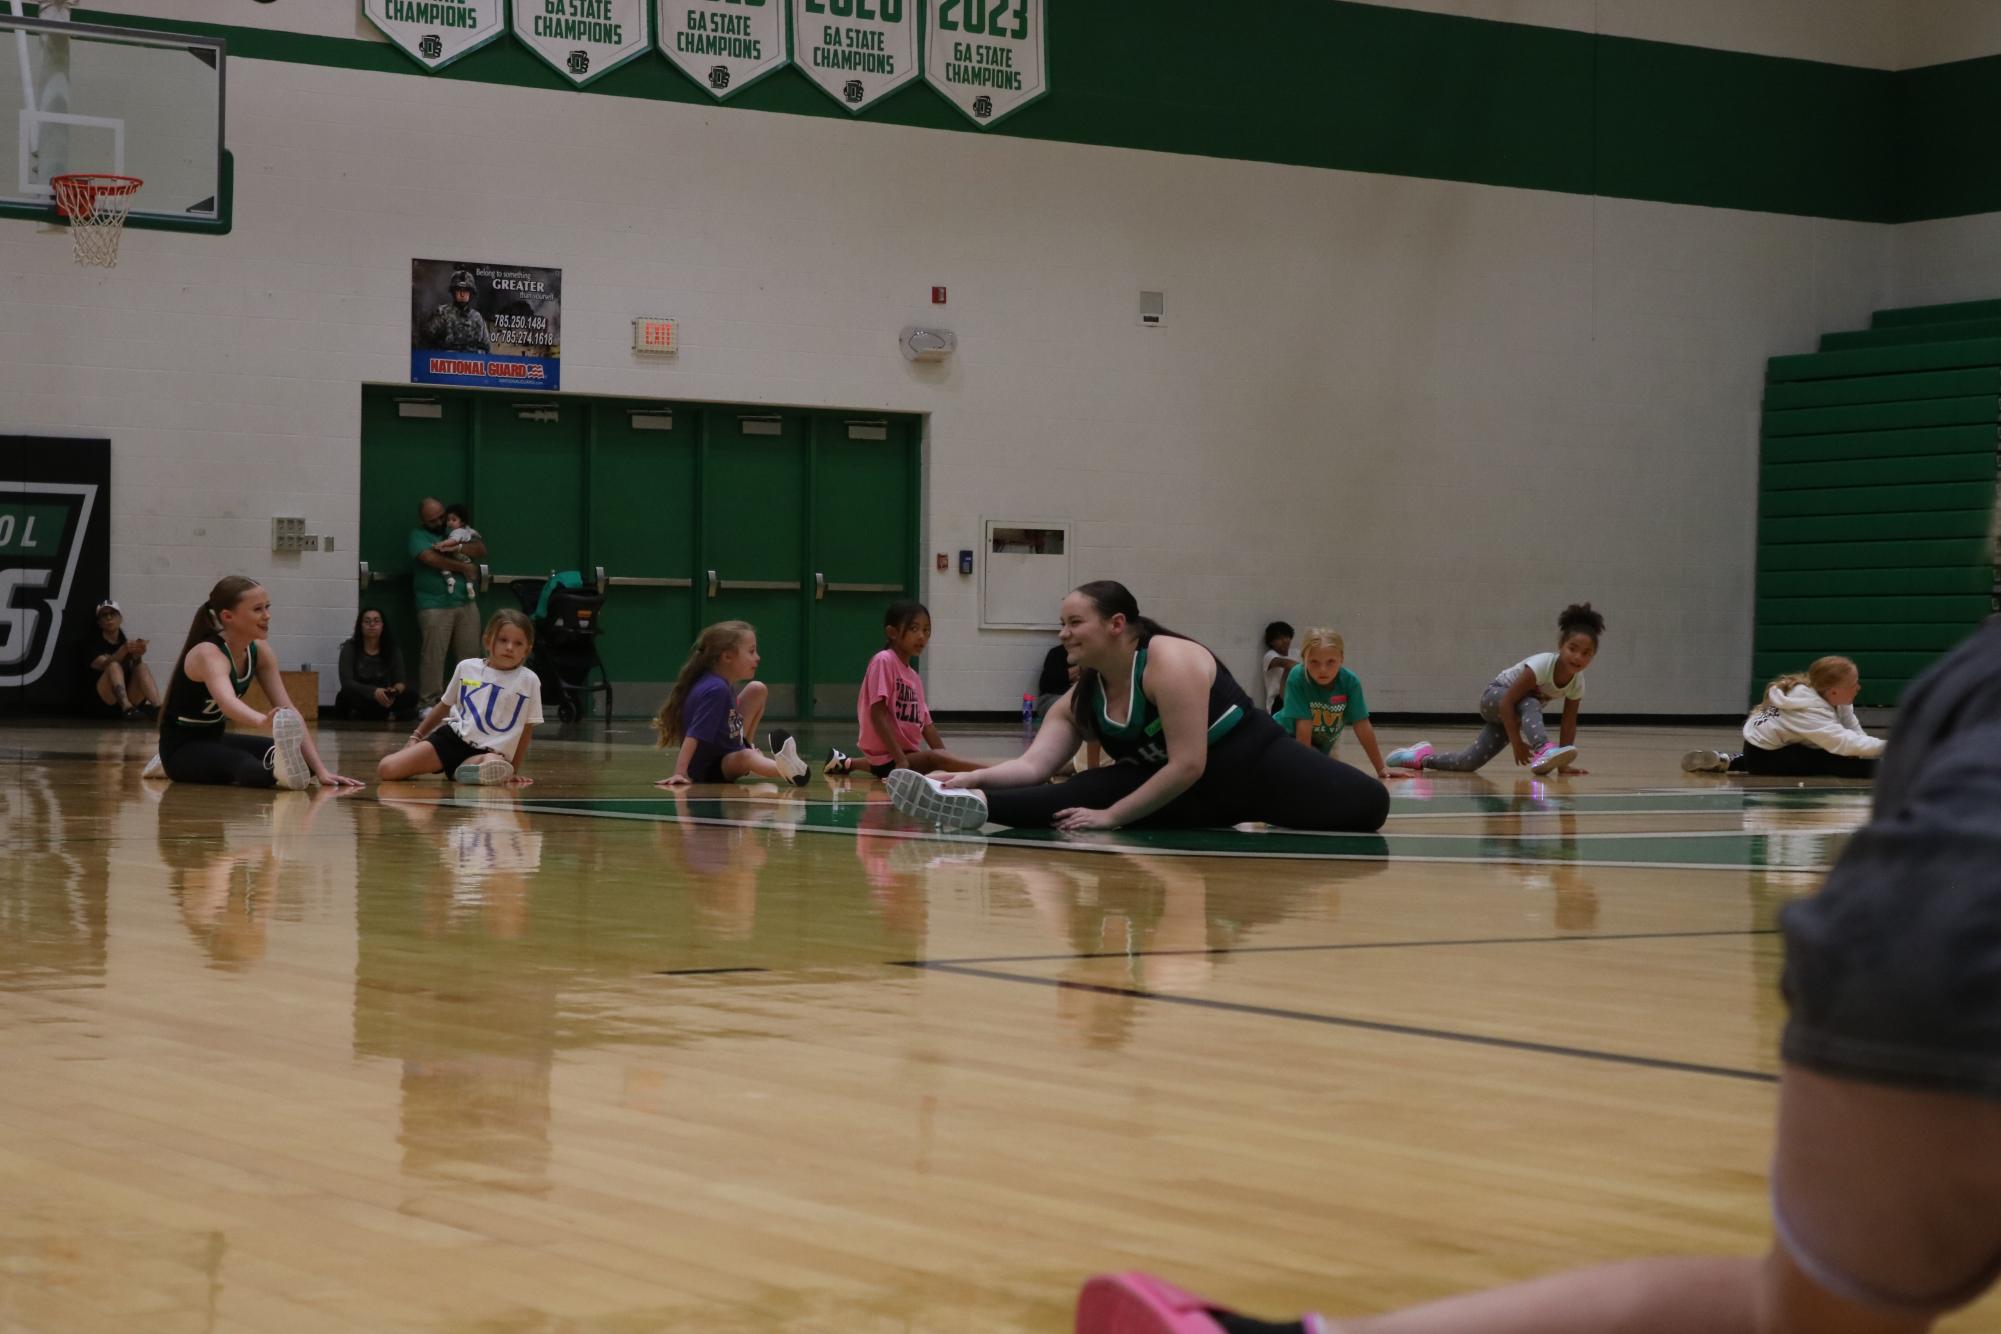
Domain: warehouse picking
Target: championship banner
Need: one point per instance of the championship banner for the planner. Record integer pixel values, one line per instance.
(434, 33)
(857, 51)
(582, 39)
(55, 567)
(990, 58)
(723, 45)
(485, 325)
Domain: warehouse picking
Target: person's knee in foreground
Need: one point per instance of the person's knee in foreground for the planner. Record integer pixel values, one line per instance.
(1886, 1180)
(1191, 749)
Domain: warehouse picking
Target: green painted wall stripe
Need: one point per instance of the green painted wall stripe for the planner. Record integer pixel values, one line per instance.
(1363, 87)
(1355, 87)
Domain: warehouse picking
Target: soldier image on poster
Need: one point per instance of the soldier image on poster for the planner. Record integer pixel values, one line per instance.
(457, 325)
(485, 324)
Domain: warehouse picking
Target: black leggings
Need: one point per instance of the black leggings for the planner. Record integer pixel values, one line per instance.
(1798, 761)
(1257, 772)
(241, 761)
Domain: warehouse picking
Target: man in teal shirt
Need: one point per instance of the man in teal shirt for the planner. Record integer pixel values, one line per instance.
(446, 587)
(1322, 697)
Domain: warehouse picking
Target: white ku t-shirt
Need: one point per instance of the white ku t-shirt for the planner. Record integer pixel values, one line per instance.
(490, 707)
(1544, 667)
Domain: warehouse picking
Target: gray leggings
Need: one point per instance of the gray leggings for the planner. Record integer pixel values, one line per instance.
(1493, 738)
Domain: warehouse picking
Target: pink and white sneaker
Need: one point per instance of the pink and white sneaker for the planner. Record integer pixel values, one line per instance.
(1551, 756)
(1136, 1303)
(1408, 757)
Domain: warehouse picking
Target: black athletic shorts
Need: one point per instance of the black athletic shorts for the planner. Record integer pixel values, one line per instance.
(708, 764)
(453, 749)
(1893, 970)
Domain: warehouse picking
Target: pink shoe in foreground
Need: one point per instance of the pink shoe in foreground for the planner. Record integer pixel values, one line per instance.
(1136, 1303)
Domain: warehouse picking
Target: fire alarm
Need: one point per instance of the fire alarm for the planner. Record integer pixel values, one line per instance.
(944, 561)
(937, 296)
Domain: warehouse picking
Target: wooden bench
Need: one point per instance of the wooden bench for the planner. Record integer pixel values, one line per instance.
(303, 687)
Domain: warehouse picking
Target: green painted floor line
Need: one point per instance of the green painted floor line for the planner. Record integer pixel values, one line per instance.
(1804, 852)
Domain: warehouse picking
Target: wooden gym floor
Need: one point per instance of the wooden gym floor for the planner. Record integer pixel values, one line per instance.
(592, 1057)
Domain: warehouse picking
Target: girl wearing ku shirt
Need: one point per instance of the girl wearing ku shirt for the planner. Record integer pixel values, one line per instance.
(1322, 697)
(896, 727)
(478, 731)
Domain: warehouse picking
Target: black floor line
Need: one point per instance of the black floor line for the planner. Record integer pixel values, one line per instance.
(1354, 945)
(1369, 1025)
(705, 972)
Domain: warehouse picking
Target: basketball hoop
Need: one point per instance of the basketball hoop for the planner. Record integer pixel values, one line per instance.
(96, 206)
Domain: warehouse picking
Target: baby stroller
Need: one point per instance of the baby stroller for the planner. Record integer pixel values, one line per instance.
(566, 611)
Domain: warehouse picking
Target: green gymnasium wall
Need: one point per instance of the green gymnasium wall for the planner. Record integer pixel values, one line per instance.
(1362, 87)
(1877, 496)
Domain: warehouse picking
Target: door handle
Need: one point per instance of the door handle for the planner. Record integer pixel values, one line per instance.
(716, 584)
(819, 586)
(366, 576)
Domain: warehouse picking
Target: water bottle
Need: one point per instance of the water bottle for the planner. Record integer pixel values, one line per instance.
(1027, 716)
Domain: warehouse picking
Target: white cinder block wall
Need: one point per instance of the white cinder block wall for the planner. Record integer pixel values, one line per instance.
(1428, 413)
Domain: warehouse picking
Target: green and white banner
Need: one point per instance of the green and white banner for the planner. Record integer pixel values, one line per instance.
(990, 58)
(434, 33)
(723, 45)
(857, 51)
(582, 39)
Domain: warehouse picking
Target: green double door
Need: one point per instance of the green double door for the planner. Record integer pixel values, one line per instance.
(802, 523)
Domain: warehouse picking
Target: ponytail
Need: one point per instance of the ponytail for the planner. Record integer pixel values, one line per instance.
(708, 650)
(207, 623)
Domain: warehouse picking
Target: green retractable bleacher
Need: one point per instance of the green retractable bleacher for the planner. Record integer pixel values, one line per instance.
(1877, 495)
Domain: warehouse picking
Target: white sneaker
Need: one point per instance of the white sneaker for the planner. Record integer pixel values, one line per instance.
(484, 771)
(1705, 762)
(790, 765)
(155, 769)
(922, 797)
(1551, 757)
(288, 756)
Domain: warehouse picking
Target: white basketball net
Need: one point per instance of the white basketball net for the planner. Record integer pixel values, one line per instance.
(96, 207)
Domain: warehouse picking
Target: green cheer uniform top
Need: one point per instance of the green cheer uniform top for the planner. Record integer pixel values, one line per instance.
(1141, 739)
(191, 710)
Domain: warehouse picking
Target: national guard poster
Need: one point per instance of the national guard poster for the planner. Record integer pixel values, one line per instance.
(485, 325)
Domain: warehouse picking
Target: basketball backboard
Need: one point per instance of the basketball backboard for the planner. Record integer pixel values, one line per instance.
(80, 97)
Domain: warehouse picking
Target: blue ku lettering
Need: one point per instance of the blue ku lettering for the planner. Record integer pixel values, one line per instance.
(481, 700)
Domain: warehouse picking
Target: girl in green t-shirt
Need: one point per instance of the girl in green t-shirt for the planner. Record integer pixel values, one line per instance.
(1322, 697)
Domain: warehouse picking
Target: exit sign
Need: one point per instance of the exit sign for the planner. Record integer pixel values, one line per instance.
(658, 336)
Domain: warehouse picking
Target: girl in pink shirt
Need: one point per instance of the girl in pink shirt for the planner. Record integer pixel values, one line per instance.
(895, 723)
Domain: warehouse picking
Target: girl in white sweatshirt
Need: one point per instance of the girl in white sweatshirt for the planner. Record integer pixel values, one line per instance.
(1806, 728)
